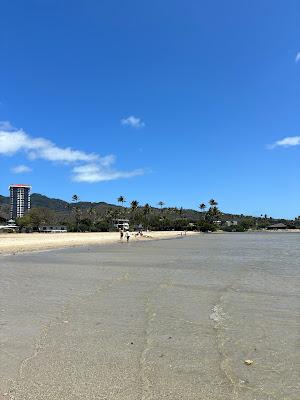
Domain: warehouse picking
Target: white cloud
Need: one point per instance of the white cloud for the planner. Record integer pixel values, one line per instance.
(287, 142)
(133, 121)
(89, 167)
(297, 58)
(92, 173)
(20, 169)
(13, 141)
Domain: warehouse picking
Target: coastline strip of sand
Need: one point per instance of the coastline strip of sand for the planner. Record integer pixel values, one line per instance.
(24, 242)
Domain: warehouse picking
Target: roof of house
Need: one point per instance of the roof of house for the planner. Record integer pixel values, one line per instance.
(277, 226)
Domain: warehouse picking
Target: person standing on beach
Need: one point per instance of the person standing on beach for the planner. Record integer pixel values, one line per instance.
(121, 234)
(127, 234)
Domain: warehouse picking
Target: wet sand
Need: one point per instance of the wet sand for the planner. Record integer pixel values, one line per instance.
(171, 319)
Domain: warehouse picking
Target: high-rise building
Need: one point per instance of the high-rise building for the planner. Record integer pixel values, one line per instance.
(19, 200)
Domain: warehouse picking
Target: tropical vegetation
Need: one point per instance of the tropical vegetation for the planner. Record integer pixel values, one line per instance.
(81, 216)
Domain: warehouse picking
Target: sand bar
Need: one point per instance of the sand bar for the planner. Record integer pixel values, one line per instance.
(20, 242)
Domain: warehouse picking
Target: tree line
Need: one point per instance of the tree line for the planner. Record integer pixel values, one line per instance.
(97, 219)
(93, 219)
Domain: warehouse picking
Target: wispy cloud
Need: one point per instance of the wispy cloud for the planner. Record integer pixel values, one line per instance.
(21, 169)
(297, 58)
(133, 121)
(87, 167)
(288, 141)
(92, 173)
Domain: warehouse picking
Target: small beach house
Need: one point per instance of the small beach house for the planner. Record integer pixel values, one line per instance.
(276, 227)
(121, 224)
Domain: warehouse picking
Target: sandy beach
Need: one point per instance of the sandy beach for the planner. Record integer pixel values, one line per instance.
(24, 242)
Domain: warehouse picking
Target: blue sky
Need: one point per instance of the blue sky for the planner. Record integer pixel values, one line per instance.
(179, 101)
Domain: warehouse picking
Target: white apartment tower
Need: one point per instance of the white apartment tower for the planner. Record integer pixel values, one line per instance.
(19, 200)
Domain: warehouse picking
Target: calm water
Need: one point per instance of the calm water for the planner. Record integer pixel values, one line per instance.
(171, 319)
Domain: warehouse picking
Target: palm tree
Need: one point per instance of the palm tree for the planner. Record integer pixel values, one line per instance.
(78, 213)
(146, 212)
(213, 202)
(122, 200)
(134, 205)
(212, 214)
(76, 210)
(147, 209)
(161, 204)
(202, 207)
(134, 215)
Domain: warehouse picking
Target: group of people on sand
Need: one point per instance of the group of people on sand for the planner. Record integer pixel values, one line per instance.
(127, 234)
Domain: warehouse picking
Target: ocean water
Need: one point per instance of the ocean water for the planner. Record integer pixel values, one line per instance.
(169, 319)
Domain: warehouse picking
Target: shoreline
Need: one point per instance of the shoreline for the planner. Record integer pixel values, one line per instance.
(12, 243)
(15, 243)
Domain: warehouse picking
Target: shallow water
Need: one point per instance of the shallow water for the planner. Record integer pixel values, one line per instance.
(169, 319)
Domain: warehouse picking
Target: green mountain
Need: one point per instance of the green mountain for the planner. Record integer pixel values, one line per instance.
(39, 200)
(57, 205)
(4, 200)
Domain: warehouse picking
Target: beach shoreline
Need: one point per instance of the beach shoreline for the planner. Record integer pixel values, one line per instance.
(11, 243)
